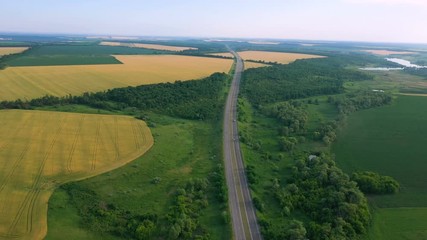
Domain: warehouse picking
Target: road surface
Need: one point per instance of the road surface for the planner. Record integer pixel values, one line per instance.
(243, 218)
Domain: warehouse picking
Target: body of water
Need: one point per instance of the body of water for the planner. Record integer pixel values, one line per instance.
(404, 62)
(400, 61)
(380, 69)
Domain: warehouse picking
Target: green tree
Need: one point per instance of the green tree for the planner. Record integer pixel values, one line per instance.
(144, 230)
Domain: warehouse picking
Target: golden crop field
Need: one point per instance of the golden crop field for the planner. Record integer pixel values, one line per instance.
(11, 50)
(41, 150)
(148, 46)
(226, 54)
(249, 65)
(32, 82)
(387, 52)
(279, 57)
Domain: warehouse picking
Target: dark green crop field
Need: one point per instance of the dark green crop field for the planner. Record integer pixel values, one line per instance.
(73, 55)
(391, 140)
(399, 223)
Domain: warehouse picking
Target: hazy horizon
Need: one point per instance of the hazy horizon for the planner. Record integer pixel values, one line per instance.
(385, 21)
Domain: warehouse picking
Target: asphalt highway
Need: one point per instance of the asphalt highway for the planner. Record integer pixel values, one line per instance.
(243, 217)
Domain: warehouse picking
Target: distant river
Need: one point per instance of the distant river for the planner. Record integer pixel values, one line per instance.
(400, 61)
(404, 62)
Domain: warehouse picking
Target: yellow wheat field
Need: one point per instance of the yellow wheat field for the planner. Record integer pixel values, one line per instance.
(148, 46)
(11, 50)
(249, 65)
(387, 52)
(226, 54)
(41, 150)
(32, 82)
(278, 57)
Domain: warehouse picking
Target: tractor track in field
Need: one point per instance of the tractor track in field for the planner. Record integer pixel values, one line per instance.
(31, 196)
(73, 146)
(16, 162)
(96, 145)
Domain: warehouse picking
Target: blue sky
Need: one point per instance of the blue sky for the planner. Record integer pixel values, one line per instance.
(358, 20)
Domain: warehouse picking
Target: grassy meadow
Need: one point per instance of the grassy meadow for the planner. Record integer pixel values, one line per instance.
(41, 150)
(32, 82)
(391, 81)
(183, 150)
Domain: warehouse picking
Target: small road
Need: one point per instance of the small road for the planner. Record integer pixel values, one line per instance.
(243, 218)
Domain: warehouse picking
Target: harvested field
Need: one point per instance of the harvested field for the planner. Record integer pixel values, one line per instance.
(41, 150)
(387, 52)
(11, 50)
(32, 82)
(249, 65)
(148, 46)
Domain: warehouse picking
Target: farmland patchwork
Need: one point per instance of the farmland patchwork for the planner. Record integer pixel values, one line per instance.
(33, 82)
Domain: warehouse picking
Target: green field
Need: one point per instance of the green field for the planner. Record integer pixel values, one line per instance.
(391, 81)
(73, 55)
(398, 224)
(130, 188)
(390, 140)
